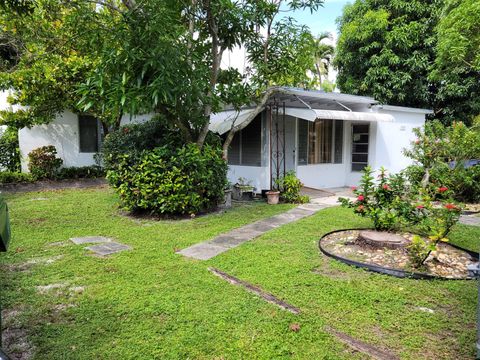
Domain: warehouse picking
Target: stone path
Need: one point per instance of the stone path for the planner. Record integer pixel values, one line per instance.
(209, 249)
(104, 246)
(470, 220)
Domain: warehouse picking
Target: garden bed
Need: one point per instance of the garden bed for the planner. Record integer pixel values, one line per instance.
(447, 262)
(52, 185)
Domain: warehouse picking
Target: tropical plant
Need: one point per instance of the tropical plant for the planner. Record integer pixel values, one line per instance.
(289, 187)
(441, 157)
(323, 56)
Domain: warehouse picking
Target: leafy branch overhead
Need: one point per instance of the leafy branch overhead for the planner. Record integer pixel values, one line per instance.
(109, 58)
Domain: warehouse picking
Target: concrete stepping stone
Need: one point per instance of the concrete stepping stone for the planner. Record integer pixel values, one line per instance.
(470, 220)
(90, 240)
(108, 248)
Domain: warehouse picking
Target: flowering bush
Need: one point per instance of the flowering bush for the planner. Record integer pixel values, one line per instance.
(440, 156)
(392, 204)
(382, 201)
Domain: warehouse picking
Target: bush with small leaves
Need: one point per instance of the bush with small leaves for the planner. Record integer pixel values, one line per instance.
(44, 163)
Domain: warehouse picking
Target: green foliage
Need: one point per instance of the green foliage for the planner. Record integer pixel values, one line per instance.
(289, 187)
(387, 49)
(9, 150)
(439, 154)
(418, 250)
(43, 162)
(82, 172)
(10, 177)
(166, 180)
(132, 139)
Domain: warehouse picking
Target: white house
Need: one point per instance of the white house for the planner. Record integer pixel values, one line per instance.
(326, 138)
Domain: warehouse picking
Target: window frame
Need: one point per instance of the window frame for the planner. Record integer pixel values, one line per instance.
(360, 153)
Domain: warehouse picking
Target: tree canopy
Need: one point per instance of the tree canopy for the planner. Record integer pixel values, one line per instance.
(114, 57)
(389, 49)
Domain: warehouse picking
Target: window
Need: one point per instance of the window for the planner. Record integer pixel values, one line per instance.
(246, 146)
(88, 133)
(360, 141)
(320, 142)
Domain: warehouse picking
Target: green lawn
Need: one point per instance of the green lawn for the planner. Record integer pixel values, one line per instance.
(152, 303)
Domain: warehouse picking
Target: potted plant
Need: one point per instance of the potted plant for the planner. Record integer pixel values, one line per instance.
(273, 196)
(242, 190)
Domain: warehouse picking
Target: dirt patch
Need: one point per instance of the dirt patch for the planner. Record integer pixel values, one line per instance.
(48, 289)
(16, 344)
(53, 185)
(36, 221)
(30, 263)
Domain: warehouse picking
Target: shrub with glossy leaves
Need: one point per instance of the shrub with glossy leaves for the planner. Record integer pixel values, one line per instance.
(43, 162)
(167, 180)
(9, 150)
(289, 186)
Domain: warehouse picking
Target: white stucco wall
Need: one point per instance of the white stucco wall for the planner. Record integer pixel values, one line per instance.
(392, 138)
(257, 176)
(63, 133)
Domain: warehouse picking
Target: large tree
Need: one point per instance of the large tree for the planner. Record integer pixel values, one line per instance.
(387, 49)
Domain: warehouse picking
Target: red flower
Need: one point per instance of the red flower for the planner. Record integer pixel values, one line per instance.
(126, 130)
(354, 188)
(360, 208)
(417, 141)
(386, 187)
(360, 198)
(450, 207)
(442, 189)
(420, 207)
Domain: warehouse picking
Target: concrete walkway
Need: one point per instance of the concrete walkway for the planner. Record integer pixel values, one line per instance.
(209, 249)
(472, 220)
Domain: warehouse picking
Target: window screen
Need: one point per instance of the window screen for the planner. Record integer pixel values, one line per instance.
(302, 142)
(338, 150)
(246, 146)
(360, 140)
(88, 133)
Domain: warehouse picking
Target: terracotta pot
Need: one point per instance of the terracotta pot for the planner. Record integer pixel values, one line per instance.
(273, 197)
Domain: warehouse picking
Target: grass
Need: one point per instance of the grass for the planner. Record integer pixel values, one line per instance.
(152, 303)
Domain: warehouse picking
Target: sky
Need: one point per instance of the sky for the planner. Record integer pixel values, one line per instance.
(324, 18)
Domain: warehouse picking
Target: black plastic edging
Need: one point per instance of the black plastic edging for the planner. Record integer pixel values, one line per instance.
(389, 271)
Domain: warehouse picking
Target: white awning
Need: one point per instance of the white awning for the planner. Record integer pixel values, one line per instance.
(313, 114)
(222, 122)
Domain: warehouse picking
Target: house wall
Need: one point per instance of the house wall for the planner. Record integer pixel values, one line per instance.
(63, 133)
(393, 137)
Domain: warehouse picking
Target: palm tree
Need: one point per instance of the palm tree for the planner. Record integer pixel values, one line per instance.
(323, 55)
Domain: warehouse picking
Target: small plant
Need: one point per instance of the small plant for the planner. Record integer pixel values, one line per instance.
(43, 162)
(419, 250)
(9, 177)
(244, 184)
(289, 187)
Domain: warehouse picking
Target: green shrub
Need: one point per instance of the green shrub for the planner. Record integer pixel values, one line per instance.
(9, 177)
(133, 139)
(43, 162)
(439, 154)
(9, 151)
(289, 187)
(169, 180)
(82, 172)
